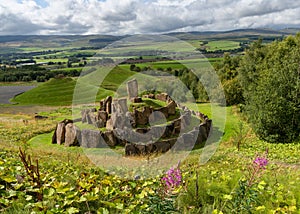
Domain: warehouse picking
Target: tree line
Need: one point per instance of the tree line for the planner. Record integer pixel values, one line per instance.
(265, 81)
(34, 73)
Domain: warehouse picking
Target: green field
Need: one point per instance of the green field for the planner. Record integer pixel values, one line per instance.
(51, 60)
(223, 45)
(177, 64)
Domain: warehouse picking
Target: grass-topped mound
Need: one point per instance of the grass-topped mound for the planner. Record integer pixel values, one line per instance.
(55, 92)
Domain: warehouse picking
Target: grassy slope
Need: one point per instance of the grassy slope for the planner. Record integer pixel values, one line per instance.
(58, 92)
(53, 92)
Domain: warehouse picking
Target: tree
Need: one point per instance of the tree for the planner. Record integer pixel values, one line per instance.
(270, 77)
(132, 67)
(227, 71)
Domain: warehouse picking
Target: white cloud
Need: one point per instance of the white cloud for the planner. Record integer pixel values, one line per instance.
(142, 16)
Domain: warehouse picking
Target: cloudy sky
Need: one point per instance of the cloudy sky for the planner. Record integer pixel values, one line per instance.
(119, 17)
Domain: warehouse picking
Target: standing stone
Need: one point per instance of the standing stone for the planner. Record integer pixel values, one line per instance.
(136, 100)
(102, 107)
(142, 118)
(99, 123)
(123, 105)
(150, 148)
(108, 108)
(198, 136)
(88, 119)
(157, 131)
(92, 139)
(132, 88)
(209, 125)
(60, 130)
(171, 141)
(171, 108)
(140, 149)
(157, 118)
(109, 124)
(109, 138)
(162, 147)
(188, 140)
(72, 137)
(129, 121)
(102, 115)
(107, 104)
(169, 130)
(203, 131)
(83, 116)
(164, 110)
(92, 118)
(177, 122)
(150, 96)
(200, 115)
(130, 149)
(162, 97)
(60, 133)
(179, 146)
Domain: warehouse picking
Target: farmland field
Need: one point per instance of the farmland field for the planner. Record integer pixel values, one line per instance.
(222, 45)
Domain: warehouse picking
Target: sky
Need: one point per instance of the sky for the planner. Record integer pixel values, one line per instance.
(121, 17)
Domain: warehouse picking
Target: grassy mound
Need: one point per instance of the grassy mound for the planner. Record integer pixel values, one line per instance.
(60, 92)
(55, 92)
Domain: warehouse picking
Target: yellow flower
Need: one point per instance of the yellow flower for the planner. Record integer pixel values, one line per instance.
(260, 208)
(217, 212)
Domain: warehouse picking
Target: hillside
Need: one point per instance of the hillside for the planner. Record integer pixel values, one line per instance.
(20, 43)
(55, 92)
(60, 91)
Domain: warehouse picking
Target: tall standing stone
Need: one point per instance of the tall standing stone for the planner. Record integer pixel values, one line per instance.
(132, 88)
(123, 105)
(107, 104)
(60, 133)
(72, 136)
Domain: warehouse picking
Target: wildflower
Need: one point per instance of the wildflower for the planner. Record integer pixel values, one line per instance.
(261, 162)
(173, 178)
(256, 169)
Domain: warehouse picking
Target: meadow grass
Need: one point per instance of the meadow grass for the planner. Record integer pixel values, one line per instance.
(216, 179)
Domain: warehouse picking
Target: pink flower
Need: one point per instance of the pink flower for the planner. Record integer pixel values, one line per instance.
(261, 162)
(173, 178)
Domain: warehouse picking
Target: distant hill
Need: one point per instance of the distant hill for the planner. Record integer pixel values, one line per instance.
(79, 41)
(236, 34)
